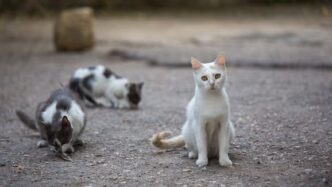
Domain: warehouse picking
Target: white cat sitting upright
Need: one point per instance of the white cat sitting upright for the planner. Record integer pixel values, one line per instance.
(208, 129)
(98, 85)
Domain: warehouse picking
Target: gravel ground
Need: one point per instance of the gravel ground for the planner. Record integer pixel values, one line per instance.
(282, 116)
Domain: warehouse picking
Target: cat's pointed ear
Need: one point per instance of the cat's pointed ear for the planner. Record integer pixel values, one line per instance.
(220, 61)
(65, 123)
(195, 64)
(140, 85)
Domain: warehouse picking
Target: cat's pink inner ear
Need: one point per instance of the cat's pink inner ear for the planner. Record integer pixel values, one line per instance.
(195, 64)
(221, 61)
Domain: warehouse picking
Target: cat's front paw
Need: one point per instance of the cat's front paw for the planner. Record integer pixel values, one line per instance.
(68, 148)
(201, 162)
(225, 162)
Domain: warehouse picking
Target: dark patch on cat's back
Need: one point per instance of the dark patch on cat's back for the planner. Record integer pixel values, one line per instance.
(107, 73)
(86, 82)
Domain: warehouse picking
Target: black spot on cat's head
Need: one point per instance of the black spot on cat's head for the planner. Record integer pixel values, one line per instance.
(134, 94)
(107, 73)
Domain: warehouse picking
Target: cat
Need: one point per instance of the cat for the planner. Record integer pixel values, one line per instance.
(99, 86)
(60, 121)
(208, 130)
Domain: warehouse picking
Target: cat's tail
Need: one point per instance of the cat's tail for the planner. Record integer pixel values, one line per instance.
(159, 140)
(26, 120)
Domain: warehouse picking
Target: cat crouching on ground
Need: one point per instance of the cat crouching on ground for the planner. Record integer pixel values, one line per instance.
(99, 86)
(60, 121)
(208, 130)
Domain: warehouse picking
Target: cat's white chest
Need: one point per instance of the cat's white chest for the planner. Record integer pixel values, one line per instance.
(213, 108)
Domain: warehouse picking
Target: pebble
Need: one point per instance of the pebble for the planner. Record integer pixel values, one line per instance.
(325, 181)
(315, 141)
(297, 147)
(308, 171)
(2, 163)
(186, 170)
(98, 155)
(100, 161)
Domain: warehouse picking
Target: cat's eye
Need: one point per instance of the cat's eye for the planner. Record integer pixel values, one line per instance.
(204, 78)
(217, 76)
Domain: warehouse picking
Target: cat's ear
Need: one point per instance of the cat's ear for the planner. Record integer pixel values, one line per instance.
(220, 61)
(195, 64)
(140, 85)
(65, 123)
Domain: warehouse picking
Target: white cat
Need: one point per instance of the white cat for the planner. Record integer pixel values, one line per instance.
(208, 130)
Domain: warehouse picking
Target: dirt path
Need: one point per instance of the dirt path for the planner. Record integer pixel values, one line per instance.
(282, 116)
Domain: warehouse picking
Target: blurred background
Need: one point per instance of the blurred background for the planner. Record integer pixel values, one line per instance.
(279, 33)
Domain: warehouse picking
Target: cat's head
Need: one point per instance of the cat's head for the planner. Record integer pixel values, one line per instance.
(209, 76)
(134, 95)
(60, 131)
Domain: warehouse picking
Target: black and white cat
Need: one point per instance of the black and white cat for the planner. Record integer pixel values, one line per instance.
(98, 85)
(60, 121)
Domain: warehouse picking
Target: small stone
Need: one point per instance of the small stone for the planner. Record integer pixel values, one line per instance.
(325, 181)
(186, 170)
(315, 141)
(2, 163)
(114, 177)
(308, 171)
(100, 161)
